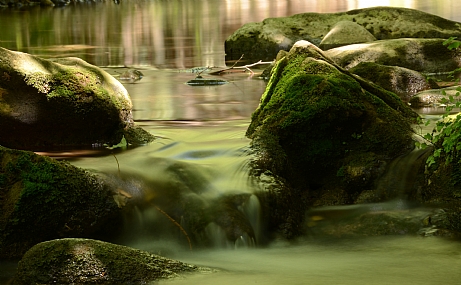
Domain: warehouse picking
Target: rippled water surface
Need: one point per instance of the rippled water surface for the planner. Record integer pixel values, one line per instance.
(204, 127)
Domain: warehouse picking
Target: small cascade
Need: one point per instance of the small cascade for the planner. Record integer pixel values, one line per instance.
(252, 210)
(401, 174)
(194, 194)
(244, 241)
(242, 234)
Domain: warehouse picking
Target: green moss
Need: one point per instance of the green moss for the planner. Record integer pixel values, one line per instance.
(318, 127)
(85, 261)
(47, 199)
(40, 81)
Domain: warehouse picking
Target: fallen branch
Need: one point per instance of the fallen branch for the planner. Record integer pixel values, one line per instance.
(233, 68)
(118, 165)
(176, 223)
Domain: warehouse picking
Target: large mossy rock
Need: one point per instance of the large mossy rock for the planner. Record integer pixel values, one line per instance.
(402, 81)
(62, 102)
(85, 261)
(326, 133)
(263, 40)
(422, 55)
(43, 199)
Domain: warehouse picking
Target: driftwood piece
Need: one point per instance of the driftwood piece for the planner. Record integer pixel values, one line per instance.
(200, 81)
(243, 68)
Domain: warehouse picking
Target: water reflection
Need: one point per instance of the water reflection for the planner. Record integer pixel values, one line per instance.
(165, 34)
(158, 35)
(163, 95)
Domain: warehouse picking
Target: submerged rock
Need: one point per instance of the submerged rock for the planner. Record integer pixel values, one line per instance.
(263, 40)
(61, 102)
(42, 199)
(323, 130)
(131, 76)
(389, 218)
(85, 261)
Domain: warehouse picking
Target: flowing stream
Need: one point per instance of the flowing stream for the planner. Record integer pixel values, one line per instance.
(201, 151)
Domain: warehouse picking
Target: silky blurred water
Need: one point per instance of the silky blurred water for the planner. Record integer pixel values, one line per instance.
(204, 128)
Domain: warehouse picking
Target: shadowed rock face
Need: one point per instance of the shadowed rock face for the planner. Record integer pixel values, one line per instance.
(263, 40)
(61, 102)
(85, 261)
(324, 131)
(42, 199)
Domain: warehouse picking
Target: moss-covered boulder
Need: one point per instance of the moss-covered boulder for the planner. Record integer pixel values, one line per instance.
(422, 55)
(263, 40)
(43, 199)
(345, 33)
(62, 102)
(325, 132)
(402, 81)
(85, 261)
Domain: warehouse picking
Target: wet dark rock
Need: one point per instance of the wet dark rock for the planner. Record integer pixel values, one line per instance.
(401, 81)
(263, 40)
(62, 2)
(85, 261)
(200, 81)
(422, 55)
(440, 183)
(320, 128)
(67, 101)
(345, 33)
(43, 199)
(131, 76)
(388, 218)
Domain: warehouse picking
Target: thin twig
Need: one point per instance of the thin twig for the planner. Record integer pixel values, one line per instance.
(237, 61)
(177, 224)
(246, 67)
(199, 74)
(118, 165)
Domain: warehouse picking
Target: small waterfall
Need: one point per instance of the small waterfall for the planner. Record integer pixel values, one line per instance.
(241, 238)
(401, 174)
(252, 210)
(195, 195)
